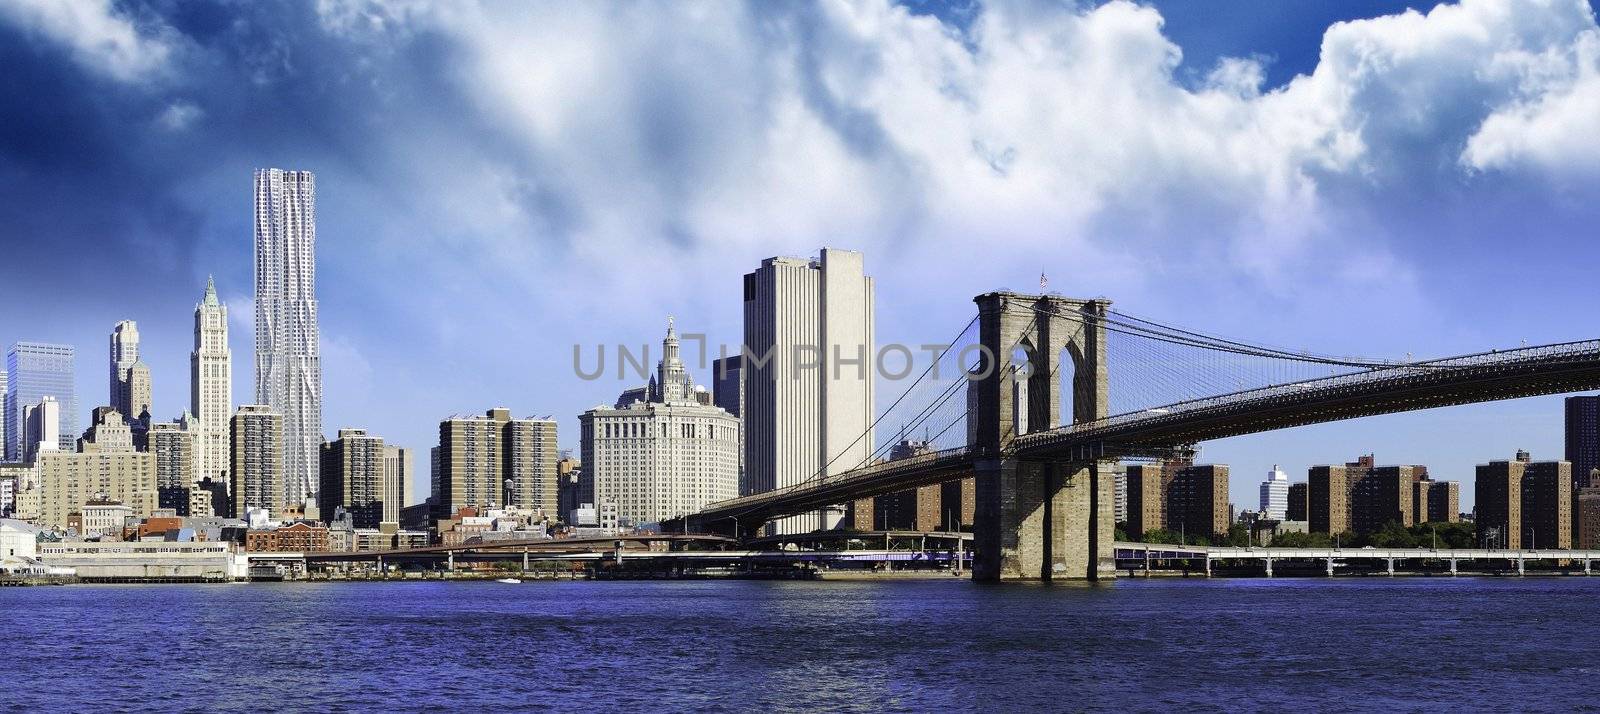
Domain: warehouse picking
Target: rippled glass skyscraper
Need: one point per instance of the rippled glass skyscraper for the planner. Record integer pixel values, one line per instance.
(288, 363)
(35, 370)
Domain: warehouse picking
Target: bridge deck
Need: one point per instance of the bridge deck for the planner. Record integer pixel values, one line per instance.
(1489, 376)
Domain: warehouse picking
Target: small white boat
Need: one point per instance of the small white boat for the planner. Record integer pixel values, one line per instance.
(509, 581)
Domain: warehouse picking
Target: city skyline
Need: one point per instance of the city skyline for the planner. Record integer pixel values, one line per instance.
(1388, 293)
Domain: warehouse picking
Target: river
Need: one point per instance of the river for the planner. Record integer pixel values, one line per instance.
(1165, 643)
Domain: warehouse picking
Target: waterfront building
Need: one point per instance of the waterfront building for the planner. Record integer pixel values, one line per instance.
(1588, 508)
(35, 370)
(1197, 501)
(1523, 503)
(1362, 497)
(41, 424)
(296, 537)
(1147, 499)
(860, 515)
(105, 517)
(173, 446)
(958, 504)
(666, 455)
(398, 467)
(807, 374)
(1120, 490)
(1547, 504)
(1329, 495)
(492, 460)
(1298, 502)
(1444, 501)
(1380, 496)
(107, 468)
(288, 362)
(129, 378)
(121, 561)
(1275, 495)
(211, 386)
(1497, 493)
(256, 441)
(353, 473)
(19, 541)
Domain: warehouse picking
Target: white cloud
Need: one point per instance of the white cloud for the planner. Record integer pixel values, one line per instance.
(179, 116)
(643, 136)
(1557, 130)
(98, 35)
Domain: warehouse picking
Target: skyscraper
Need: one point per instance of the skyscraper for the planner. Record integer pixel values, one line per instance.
(1583, 434)
(211, 386)
(807, 369)
(35, 370)
(1275, 495)
(397, 470)
(129, 375)
(288, 366)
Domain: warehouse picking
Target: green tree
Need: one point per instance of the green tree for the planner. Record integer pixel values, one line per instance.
(1449, 535)
(1122, 532)
(1161, 535)
(1392, 535)
(1238, 535)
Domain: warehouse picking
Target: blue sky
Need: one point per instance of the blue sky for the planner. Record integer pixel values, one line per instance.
(499, 182)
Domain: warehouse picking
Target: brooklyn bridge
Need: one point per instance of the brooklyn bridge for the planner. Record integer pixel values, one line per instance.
(1038, 395)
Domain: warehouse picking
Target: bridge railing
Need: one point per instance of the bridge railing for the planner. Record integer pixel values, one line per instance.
(1176, 410)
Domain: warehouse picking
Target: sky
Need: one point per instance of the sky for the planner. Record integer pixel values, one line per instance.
(498, 182)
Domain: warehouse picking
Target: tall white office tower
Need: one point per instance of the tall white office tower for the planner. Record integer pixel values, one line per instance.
(808, 354)
(124, 352)
(211, 387)
(41, 428)
(1275, 495)
(288, 366)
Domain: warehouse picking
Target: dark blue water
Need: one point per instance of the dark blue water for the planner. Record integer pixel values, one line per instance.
(1367, 643)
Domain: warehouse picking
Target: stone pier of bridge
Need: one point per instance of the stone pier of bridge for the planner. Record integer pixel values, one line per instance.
(1039, 519)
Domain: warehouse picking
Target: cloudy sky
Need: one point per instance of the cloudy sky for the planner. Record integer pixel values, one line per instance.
(499, 182)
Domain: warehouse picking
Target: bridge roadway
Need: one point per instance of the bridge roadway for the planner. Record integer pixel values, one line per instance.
(1148, 552)
(1468, 379)
(1159, 431)
(721, 548)
(539, 546)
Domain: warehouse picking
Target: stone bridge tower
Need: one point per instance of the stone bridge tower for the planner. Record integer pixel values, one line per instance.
(1039, 519)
